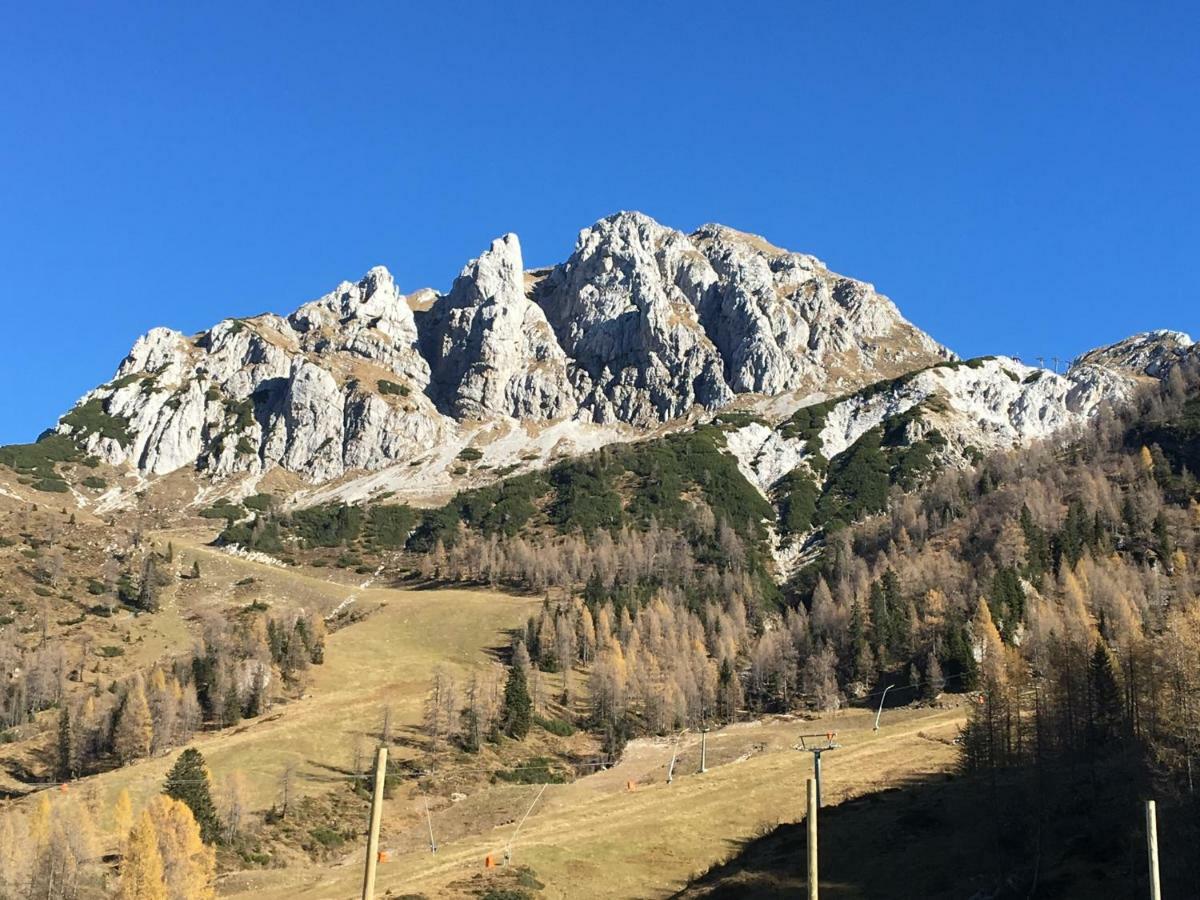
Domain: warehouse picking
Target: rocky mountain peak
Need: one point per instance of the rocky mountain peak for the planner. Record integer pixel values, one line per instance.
(643, 326)
(1150, 353)
(490, 348)
(372, 302)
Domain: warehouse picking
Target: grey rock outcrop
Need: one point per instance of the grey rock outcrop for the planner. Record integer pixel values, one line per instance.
(490, 348)
(623, 307)
(642, 325)
(1151, 353)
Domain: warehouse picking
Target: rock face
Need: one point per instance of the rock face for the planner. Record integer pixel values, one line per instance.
(491, 349)
(974, 407)
(642, 325)
(662, 321)
(783, 322)
(624, 308)
(1151, 353)
(337, 385)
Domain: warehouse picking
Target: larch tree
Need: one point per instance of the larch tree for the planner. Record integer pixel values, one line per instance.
(440, 707)
(123, 814)
(12, 851)
(134, 734)
(189, 865)
(142, 873)
(989, 649)
(234, 803)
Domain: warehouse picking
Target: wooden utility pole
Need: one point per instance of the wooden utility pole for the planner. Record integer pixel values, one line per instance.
(1152, 849)
(368, 891)
(704, 749)
(813, 881)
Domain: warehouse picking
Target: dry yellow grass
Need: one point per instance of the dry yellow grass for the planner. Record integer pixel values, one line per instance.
(595, 838)
(592, 838)
(384, 660)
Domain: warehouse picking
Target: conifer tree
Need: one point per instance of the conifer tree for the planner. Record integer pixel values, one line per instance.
(123, 814)
(11, 876)
(147, 598)
(518, 708)
(233, 803)
(189, 782)
(64, 762)
(729, 692)
(989, 647)
(142, 864)
(134, 733)
(231, 707)
(935, 683)
(1106, 713)
(189, 866)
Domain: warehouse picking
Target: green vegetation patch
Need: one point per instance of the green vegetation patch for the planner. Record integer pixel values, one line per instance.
(242, 413)
(391, 387)
(861, 477)
(51, 485)
(92, 418)
(40, 458)
(796, 495)
(389, 526)
(224, 509)
(333, 525)
(538, 770)
(555, 726)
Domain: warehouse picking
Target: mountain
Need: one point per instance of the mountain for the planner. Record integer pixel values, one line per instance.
(1152, 353)
(641, 325)
(643, 329)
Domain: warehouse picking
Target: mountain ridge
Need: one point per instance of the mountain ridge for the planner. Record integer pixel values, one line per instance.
(643, 329)
(615, 335)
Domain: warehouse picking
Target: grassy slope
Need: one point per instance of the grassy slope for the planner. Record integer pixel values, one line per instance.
(594, 838)
(383, 660)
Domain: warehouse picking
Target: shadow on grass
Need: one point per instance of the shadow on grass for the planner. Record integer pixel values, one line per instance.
(1071, 834)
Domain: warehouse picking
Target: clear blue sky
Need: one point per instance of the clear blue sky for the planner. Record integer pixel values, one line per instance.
(1018, 179)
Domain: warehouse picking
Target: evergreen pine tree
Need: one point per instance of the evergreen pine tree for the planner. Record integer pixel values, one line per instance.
(935, 683)
(65, 756)
(1162, 538)
(188, 781)
(147, 598)
(231, 707)
(518, 708)
(881, 617)
(1106, 712)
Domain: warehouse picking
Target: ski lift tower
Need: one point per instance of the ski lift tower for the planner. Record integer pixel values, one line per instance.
(816, 744)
